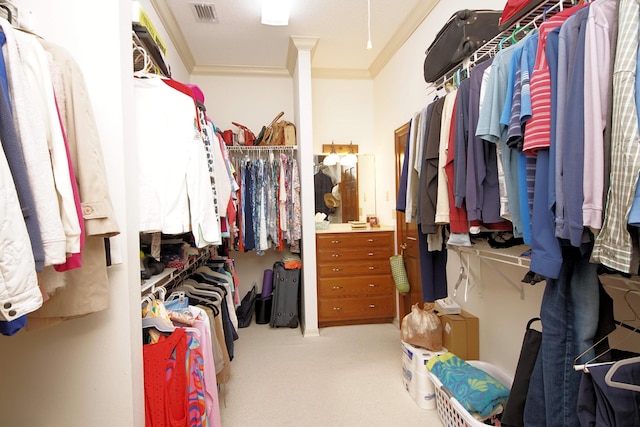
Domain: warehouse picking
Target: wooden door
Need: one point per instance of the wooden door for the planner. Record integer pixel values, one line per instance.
(407, 235)
(349, 192)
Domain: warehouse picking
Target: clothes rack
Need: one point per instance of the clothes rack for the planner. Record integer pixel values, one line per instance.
(146, 41)
(502, 40)
(243, 148)
(170, 276)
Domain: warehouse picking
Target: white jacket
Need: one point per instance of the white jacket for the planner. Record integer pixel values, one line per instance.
(19, 292)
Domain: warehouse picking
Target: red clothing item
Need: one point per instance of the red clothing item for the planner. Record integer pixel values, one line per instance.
(73, 260)
(165, 381)
(537, 133)
(457, 216)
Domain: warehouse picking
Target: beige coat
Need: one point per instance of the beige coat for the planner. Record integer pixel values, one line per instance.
(86, 290)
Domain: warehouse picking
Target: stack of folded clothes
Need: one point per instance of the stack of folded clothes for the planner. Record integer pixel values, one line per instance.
(479, 393)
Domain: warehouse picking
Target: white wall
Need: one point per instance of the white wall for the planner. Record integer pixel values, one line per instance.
(497, 302)
(251, 101)
(87, 371)
(343, 113)
(399, 91)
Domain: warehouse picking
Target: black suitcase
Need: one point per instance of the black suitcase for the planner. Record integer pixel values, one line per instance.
(286, 291)
(463, 34)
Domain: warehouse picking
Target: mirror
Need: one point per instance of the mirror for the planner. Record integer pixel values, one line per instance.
(345, 193)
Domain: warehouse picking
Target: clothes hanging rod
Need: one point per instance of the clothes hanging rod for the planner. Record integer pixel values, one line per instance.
(262, 147)
(170, 275)
(537, 14)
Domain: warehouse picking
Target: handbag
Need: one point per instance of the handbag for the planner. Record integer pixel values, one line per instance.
(284, 133)
(265, 136)
(399, 273)
(513, 413)
(228, 137)
(247, 307)
(245, 135)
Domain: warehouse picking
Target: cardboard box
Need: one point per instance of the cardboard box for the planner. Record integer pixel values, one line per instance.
(460, 334)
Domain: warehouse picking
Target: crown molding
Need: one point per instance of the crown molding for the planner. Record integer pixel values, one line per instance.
(297, 43)
(175, 34)
(239, 70)
(413, 21)
(340, 73)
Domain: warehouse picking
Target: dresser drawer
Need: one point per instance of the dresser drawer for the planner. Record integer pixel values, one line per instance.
(354, 269)
(354, 240)
(362, 286)
(355, 308)
(346, 255)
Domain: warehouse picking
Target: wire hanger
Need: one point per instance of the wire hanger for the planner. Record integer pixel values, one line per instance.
(585, 367)
(462, 275)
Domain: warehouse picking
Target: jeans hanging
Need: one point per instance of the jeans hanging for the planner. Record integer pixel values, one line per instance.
(569, 314)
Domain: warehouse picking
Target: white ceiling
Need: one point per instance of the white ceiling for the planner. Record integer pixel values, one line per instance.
(239, 44)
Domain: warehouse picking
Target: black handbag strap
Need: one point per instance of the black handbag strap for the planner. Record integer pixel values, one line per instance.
(531, 321)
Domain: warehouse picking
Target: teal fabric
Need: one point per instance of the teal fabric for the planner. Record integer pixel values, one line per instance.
(475, 389)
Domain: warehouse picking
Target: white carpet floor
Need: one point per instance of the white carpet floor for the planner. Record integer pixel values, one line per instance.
(348, 376)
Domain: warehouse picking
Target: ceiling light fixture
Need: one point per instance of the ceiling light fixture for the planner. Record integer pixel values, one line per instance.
(369, 45)
(276, 12)
(333, 158)
(350, 159)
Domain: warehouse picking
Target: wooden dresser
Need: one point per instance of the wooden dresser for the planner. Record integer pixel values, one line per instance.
(355, 285)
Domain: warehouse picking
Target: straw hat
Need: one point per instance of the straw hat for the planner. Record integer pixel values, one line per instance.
(331, 201)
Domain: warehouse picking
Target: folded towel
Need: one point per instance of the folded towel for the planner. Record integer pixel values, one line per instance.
(475, 389)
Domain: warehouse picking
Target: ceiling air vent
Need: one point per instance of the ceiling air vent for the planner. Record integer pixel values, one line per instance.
(205, 12)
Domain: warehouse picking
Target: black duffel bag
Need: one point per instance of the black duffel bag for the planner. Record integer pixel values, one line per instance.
(465, 32)
(247, 307)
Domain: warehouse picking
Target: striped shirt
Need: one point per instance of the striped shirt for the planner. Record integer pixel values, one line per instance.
(538, 131)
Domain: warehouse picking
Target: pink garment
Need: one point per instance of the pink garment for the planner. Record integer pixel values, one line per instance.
(210, 386)
(74, 260)
(597, 86)
(197, 92)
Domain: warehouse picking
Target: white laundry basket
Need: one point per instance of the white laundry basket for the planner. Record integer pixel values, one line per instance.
(450, 411)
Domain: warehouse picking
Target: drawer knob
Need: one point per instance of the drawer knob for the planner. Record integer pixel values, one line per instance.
(337, 308)
(335, 242)
(373, 285)
(335, 288)
(335, 255)
(370, 254)
(372, 268)
(372, 306)
(336, 269)
(370, 240)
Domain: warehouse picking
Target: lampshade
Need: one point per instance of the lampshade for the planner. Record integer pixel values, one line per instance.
(333, 158)
(350, 159)
(276, 12)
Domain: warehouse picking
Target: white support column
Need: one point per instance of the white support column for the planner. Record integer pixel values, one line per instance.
(301, 49)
